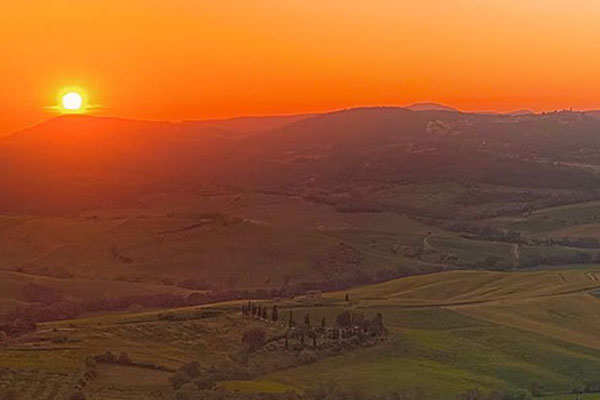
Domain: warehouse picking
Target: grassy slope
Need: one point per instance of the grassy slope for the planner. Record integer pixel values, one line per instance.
(279, 239)
(572, 318)
(466, 287)
(554, 220)
(517, 328)
(447, 360)
(74, 289)
(527, 327)
(471, 250)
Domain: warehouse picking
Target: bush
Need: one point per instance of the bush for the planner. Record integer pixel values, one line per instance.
(536, 389)
(254, 338)
(344, 320)
(106, 358)
(307, 357)
(124, 359)
(185, 374)
(178, 379)
(206, 382)
(77, 396)
(191, 370)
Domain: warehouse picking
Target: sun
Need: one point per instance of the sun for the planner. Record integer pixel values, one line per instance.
(72, 101)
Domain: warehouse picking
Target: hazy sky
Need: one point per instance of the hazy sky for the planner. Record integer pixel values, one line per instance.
(185, 59)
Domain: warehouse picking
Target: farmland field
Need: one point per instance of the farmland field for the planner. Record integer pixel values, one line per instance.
(377, 253)
(447, 333)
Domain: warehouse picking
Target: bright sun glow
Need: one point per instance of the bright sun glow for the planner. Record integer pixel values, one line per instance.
(72, 101)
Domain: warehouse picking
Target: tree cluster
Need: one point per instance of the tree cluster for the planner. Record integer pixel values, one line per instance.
(260, 311)
(192, 373)
(357, 323)
(16, 325)
(254, 338)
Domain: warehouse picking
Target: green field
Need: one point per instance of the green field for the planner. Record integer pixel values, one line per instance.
(556, 219)
(447, 333)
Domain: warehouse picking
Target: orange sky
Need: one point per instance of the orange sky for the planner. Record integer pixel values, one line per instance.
(192, 59)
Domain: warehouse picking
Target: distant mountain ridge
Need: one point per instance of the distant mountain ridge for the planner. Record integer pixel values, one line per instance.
(521, 112)
(76, 162)
(252, 124)
(430, 106)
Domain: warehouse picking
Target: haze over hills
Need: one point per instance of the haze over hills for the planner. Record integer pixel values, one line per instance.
(75, 162)
(251, 125)
(300, 198)
(421, 217)
(379, 202)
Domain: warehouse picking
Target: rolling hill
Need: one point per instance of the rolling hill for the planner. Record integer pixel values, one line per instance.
(474, 236)
(75, 162)
(504, 337)
(311, 201)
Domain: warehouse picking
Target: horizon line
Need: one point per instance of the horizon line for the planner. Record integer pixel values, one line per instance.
(443, 107)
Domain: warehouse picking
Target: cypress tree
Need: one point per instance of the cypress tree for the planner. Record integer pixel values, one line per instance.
(274, 314)
(378, 325)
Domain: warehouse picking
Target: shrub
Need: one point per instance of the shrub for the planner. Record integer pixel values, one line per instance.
(206, 382)
(307, 357)
(254, 338)
(77, 396)
(191, 369)
(124, 359)
(178, 379)
(106, 358)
